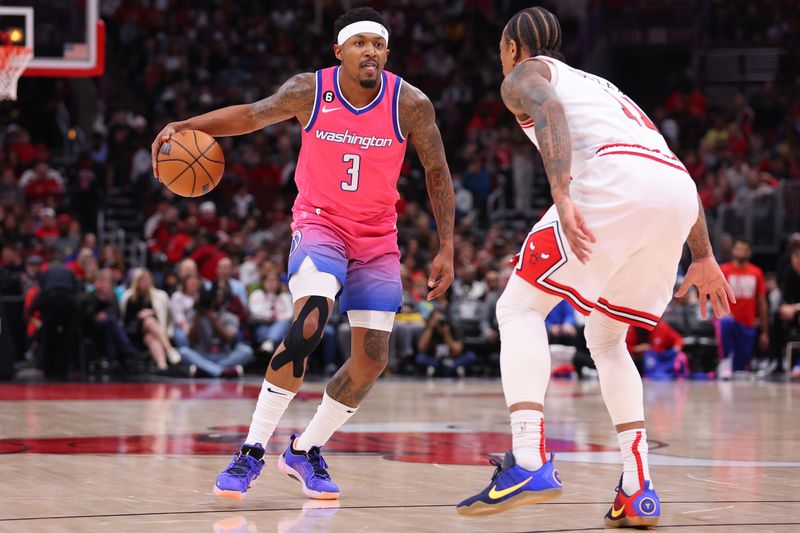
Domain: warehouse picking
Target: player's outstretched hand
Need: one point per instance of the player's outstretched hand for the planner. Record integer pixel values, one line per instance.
(168, 131)
(706, 275)
(578, 234)
(441, 273)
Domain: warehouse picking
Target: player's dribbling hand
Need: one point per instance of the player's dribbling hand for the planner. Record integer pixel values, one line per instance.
(578, 234)
(168, 131)
(711, 284)
(441, 273)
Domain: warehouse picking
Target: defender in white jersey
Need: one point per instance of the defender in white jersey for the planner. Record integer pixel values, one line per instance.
(610, 245)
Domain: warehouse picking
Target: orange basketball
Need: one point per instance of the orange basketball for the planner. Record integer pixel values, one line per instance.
(190, 163)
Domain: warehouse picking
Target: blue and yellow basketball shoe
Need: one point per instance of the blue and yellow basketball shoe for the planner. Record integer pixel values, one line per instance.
(513, 486)
(310, 469)
(241, 473)
(640, 509)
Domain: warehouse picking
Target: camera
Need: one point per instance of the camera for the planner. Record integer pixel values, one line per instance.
(205, 300)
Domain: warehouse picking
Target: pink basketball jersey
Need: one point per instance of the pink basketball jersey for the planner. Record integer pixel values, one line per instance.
(350, 158)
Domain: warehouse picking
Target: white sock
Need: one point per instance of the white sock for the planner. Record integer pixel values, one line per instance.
(633, 445)
(527, 435)
(272, 402)
(330, 416)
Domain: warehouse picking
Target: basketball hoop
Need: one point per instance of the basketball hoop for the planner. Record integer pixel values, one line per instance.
(13, 60)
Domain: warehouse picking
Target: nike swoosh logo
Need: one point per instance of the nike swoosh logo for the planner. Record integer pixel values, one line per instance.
(349, 411)
(497, 494)
(275, 392)
(615, 513)
(329, 109)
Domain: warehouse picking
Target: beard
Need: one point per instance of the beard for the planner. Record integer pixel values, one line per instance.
(369, 84)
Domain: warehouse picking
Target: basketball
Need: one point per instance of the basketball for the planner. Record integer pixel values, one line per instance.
(190, 163)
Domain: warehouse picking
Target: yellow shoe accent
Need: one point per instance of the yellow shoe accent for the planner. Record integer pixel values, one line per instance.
(497, 494)
(615, 513)
(480, 508)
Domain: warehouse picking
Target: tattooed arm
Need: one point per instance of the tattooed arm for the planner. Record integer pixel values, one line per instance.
(417, 119)
(527, 93)
(698, 240)
(295, 98)
(704, 272)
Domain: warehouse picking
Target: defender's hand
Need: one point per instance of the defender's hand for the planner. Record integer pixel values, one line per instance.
(706, 275)
(441, 273)
(578, 234)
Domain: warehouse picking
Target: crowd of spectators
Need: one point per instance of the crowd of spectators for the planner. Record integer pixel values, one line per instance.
(212, 298)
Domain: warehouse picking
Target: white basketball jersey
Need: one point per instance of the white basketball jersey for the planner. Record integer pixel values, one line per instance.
(600, 119)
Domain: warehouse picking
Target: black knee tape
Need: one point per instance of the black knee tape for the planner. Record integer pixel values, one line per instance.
(298, 348)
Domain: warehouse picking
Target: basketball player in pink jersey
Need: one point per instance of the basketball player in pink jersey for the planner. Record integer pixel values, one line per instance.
(356, 118)
(610, 245)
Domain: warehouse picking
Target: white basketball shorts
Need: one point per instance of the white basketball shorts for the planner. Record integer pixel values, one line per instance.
(641, 208)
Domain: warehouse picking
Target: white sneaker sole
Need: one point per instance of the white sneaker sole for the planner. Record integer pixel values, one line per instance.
(294, 474)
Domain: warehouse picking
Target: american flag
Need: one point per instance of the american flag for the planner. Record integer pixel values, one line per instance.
(75, 51)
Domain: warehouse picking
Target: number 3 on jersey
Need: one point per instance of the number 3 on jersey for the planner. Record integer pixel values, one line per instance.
(355, 165)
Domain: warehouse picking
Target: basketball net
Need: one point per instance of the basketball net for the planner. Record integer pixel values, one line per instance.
(13, 60)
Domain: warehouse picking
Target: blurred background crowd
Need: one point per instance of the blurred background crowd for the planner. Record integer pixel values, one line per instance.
(103, 271)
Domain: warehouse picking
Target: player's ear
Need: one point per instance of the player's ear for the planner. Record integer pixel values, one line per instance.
(513, 50)
(337, 51)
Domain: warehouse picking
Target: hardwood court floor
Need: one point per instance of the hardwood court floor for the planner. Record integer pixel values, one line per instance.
(143, 457)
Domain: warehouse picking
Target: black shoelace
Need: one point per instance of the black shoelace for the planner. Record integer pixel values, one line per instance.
(240, 467)
(498, 467)
(318, 463)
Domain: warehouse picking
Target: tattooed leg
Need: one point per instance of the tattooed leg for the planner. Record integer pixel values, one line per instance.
(370, 355)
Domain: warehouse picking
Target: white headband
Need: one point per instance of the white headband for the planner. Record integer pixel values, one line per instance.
(362, 26)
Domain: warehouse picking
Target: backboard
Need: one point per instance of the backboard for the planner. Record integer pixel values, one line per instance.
(67, 36)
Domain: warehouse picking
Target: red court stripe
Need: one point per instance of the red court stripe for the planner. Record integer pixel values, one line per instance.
(638, 458)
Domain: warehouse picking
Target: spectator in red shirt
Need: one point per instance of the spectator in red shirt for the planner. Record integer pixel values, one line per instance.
(41, 182)
(20, 143)
(208, 217)
(48, 229)
(738, 331)
(207, 255)
(85, 266)
(664, 359)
